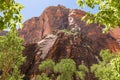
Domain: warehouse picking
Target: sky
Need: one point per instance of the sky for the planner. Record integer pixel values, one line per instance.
(34, 8)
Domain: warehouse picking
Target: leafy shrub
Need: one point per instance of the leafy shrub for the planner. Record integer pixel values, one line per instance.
(109, 68)
(47, 64)
(11, 57)
(65, 70)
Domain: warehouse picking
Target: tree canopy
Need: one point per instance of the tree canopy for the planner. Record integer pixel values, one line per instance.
(11, 48)
(10, 14)
(108, 12)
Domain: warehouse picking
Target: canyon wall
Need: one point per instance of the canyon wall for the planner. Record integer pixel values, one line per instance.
(44, 39)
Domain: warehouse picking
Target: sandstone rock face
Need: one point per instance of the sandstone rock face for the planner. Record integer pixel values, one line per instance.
(52, 19)
(43, 39)
(44, 46)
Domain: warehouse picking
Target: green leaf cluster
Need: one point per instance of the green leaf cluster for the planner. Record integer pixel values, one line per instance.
(108, 12)
(65, 70)
(11, 48)
(81, 71)
(10, 14)
(108, 15)
(67, 67)
(43, 76)
(11, 57)
(109, 68)
(66, 31)
(47, 64)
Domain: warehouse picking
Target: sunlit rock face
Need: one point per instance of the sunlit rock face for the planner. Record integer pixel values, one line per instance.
(44, 39)
(52, 19)
(115, 46)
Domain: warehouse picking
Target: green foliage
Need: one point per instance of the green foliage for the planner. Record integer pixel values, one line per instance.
(82, 69)
(67, 67)
(47, 64)
(11, 57)
(109, 68)
(43, 76)
(66, 31)
(108, 14)
(106, 55)
(10, 14)
(115, 63)
(11, 48)
(65, 70)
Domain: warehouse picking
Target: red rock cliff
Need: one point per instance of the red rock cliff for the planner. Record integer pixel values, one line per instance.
(42, 39)
(53, 18)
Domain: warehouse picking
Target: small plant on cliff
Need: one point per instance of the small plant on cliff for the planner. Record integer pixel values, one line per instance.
(66, 31)
(63, 70)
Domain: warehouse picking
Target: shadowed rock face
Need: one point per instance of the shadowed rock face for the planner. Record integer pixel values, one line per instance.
(44, 40)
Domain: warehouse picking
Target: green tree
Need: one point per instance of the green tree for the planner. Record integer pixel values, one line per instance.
(10, 14)
(109, 68)
(11, 48)
(82, 69)
(66, 69)
(108, 12)
(11, 57)
(47, 64)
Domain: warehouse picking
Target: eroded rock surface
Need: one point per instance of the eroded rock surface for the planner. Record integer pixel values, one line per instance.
(52, 19)
(43, 39)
